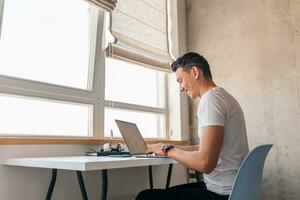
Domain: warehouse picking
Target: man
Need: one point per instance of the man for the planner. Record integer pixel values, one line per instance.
(222, 132)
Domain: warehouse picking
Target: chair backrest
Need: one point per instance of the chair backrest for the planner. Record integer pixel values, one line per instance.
(247, 184)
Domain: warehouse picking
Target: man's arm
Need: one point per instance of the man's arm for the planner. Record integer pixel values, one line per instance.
(189, 148)
(206, 157)
(185, 148)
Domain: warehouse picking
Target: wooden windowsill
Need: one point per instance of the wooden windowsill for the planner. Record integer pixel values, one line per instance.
(53, 141)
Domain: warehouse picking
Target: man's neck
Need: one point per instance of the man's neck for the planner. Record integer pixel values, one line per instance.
(206, 86)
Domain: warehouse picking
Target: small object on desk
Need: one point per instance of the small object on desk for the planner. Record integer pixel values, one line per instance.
(107, 150)
(107, 147)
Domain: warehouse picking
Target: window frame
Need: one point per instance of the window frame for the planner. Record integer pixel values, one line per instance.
(1, 15)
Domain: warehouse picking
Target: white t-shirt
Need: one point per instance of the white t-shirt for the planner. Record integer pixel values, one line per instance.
(218, 107)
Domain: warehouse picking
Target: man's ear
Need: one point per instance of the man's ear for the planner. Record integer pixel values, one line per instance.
(195, 72)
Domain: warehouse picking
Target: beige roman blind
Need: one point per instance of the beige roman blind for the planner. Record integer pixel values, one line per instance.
(140, 31)
(107, 5)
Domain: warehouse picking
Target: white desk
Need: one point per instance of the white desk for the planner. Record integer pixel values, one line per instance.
(89, 163)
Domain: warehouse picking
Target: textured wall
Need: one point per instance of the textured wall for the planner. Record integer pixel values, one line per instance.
(254, 51)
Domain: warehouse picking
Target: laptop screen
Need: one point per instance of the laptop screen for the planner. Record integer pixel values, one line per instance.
(132, 137)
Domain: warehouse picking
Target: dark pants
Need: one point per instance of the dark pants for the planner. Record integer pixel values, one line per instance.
(188, 191)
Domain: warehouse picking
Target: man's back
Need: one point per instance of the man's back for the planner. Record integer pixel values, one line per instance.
(218, 107)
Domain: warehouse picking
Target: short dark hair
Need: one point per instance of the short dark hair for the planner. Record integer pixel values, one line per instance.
(188, 60)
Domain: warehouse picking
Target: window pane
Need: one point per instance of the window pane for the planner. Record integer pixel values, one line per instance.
(130, 83)
(150, 125)
(27, 116)
(46, 41)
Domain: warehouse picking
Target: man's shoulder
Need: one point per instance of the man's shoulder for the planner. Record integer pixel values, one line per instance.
(216, 94)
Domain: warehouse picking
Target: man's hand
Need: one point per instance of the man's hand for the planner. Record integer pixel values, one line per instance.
(156, 148)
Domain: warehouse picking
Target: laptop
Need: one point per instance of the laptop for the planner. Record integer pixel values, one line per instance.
(134, 140)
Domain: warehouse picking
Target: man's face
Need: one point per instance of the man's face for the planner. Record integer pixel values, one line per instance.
(188, 82)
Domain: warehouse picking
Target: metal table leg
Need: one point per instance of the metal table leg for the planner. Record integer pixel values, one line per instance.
(150, 177)
(52, 184)
(169, 175)
(104, 184)
(81, 184)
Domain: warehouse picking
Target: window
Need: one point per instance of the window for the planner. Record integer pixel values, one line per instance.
(56, 81)
(46, 41)
(47, 67)
(151, 125)
(136, 94)
(30, 116)
(137, 68)
(131, 83)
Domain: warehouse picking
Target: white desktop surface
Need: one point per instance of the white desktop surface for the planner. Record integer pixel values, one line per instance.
(85, 163)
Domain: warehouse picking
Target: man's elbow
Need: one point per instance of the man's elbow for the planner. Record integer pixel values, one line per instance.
(206, 167)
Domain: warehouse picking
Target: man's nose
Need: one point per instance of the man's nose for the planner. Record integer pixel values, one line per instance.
(181, 89)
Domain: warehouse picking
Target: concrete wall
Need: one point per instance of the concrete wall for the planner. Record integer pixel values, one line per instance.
(20, 183)
(254, 51)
